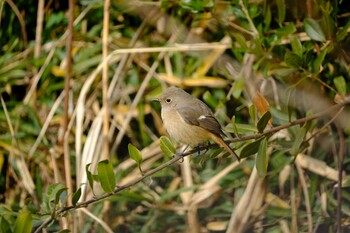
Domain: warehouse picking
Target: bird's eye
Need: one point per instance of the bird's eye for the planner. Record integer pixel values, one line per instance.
(168, 100)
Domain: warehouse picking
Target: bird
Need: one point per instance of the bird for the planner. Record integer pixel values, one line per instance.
(189, 120)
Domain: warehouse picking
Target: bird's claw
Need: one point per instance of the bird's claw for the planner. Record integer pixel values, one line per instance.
(181, 157)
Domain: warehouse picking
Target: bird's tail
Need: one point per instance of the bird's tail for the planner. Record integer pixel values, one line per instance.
(221, 142)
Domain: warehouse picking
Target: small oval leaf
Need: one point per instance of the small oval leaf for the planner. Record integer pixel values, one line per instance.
(134, 153)
(299, 138)
(106, 176)
(261, 161)
(264, 120)
(234, 127)
(252, 112)
(293, 60)
(61, 195)
(297, 48)
(76, 196)
(314, 30)
(340, 85)
(281, 10)
(89, 176)
(250, 149)
(167, 146)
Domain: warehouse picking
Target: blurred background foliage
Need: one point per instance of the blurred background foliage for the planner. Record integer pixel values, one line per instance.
(243, 58)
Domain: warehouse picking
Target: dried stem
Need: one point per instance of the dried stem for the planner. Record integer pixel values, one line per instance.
(39, 28)
(105, 146)
(66, 97)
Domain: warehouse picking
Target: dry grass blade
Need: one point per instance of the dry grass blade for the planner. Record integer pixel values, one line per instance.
(255, 190)
(306, 196)
(316, 166)
(97, 219)
(105, 146)
(212, 185)
(46, 124)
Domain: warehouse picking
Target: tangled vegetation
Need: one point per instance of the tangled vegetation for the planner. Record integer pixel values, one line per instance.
(82, 146)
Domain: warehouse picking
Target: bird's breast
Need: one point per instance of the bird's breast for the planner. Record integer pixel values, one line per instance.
(181, 131)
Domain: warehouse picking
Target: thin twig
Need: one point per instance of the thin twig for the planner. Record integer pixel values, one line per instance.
(69, 42)
(250, 21)
(103, 224)
(303, 120)
(117, 190)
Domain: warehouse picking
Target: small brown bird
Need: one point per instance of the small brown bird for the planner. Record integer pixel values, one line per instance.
(188, 120)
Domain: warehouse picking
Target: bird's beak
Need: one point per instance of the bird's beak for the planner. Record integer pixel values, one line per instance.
(156, 100)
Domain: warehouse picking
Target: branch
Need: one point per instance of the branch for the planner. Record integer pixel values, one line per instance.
(179, 156)
(296, 122)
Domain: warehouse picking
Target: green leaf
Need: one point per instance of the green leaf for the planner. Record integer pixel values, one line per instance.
(340, 85)
(299, 138)
(89, 176)
(167, 146)
(281, 10)
(261, 161)
(53, 195)
(238, 87)
(342, 34)
(267, 17)
(286, 30)
(243, 128)
(23, 223)
(261, 125)
(4, 225)
(241, 40)
(60, 195)
(76, 196)
(297, 48)
(316, 64)
(106, 176)
(196, 6)
(209, 99)
(134, 153)
(250, 149)
(293, 60)
(314, 30)
(235, 130)
(252, 112)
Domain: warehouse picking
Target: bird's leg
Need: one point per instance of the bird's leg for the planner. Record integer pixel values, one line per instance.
(202, 146)
(207, 148)
(198, 147)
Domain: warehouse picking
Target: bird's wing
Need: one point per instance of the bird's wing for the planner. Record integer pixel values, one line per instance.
(207, 121)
